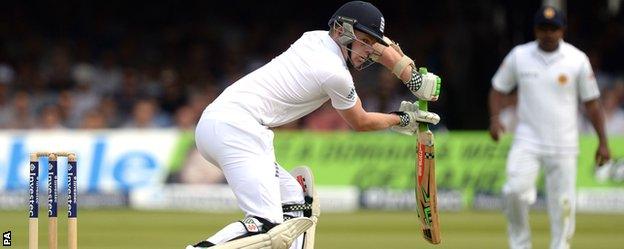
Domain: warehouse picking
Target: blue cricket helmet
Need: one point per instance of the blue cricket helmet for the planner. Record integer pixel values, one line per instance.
(364, 16)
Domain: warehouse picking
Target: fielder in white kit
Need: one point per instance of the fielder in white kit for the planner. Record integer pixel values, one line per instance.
(551, 76)
(234, 131)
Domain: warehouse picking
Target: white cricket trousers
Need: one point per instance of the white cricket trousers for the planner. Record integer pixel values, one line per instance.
(243, 149)
(519, 192)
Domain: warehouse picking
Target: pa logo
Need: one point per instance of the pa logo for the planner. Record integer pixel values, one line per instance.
(6, 238)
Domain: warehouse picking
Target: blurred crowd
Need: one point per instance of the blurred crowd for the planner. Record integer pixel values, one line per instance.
(105, 65)
(83, 95)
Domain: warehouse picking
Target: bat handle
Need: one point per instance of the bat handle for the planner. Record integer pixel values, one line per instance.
(423, 105)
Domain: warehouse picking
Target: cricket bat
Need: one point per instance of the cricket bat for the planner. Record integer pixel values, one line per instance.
(426, 193)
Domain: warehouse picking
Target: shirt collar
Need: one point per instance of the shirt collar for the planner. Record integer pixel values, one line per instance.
(333, 46)
(549, 57)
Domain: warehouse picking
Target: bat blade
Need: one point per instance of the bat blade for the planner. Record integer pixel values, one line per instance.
(426, 191)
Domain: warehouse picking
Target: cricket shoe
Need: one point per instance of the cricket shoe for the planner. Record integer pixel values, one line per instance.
(200, 245)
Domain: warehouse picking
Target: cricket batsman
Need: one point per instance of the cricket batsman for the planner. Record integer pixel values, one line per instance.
(235, 134)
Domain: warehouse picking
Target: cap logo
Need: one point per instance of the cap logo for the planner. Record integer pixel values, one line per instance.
(382, 25)
(549, 13)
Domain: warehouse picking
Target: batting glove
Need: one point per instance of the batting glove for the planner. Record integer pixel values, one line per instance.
(424, 85)
(410, 116)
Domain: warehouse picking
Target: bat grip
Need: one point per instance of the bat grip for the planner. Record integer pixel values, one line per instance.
(423, 105)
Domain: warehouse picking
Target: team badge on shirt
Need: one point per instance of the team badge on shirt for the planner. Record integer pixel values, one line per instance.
(563, 79)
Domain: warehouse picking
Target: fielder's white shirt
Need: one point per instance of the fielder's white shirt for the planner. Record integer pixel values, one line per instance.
(297, 82)
(550, 86)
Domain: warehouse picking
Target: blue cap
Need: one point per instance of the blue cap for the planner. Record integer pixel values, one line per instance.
(549, 15)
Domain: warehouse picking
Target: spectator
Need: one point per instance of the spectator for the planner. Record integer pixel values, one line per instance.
(69, 115)
(19, 114)
(57, 72)
(83, 95)
(130, 90)
(173, 95)
(109, 75)
(50, 118)
(93, 119)
(144, 115)
(200, 98)
(109, 110)
(6, 78)
(186, 118)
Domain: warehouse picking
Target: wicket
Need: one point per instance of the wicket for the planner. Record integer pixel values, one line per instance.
(72, 198)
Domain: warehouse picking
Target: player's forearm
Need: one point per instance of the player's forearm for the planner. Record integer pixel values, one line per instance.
(372, 121)
(424, 85)
(495, 101)
(389, 58)
(597, 118)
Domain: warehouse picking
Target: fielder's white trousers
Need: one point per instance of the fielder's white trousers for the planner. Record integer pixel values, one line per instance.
(243, 149)
(519, 192)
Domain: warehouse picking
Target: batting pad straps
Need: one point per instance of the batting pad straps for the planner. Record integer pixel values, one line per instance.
(401, 65)
(279, 237)
(255, 225)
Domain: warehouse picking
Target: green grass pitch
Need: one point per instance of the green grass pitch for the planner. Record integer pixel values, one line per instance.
(111, 229)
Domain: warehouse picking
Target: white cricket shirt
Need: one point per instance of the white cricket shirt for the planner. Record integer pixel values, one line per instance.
(549, 88)
(295, 83)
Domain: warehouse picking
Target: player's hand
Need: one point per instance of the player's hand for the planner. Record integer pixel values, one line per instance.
(496, 128)
(602, 154)
(393, 45)
(379, 48)
(429, 89)
(410, 116)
